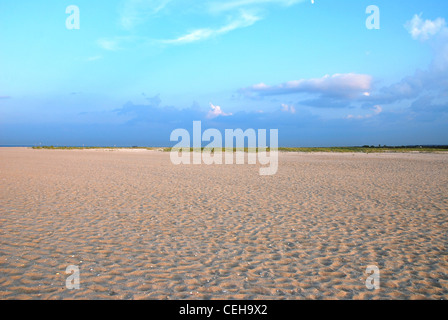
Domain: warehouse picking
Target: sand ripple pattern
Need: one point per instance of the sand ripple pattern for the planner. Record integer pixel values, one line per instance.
(139, 227)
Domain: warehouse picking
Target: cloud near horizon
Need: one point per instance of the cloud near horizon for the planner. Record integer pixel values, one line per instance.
(338, 85)
(376, 111)
(151, 124)
(288, 108)
(216, 111)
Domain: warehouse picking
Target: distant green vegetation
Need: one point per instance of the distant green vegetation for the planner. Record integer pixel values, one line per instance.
(369, 149)
(363, 149)
(88, 148)
(218, 149)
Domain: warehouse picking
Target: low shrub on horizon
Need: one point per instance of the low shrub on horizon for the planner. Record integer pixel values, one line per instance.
(364, 149)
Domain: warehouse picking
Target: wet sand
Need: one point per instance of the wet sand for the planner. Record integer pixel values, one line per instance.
(139, 227)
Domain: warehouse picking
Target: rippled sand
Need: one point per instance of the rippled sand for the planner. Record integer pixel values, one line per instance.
(139, 227)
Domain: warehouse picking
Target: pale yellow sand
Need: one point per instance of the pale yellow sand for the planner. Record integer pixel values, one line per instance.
(139, 227)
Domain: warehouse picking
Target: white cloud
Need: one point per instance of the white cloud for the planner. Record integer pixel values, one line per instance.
(342, 85)
(424, 29)
(437, 31)
(376, 111)
(260, 86)
(244, 20)
(431, 80)
(288, 108)
(216, 111)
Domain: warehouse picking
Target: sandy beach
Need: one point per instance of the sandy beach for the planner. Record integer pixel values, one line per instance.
(139, 227)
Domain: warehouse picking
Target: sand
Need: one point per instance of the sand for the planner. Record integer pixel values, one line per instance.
(139, 227)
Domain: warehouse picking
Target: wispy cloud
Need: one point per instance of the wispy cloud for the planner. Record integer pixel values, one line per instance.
(240, 13)
(120, 43)
(109, 44)
(244, 20)
(4, 97)
(94, 58)
(376, 111)
(222, 6)
(136, 12)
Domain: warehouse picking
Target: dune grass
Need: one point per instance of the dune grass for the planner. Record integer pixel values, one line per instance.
(89, 148)
(364, 149)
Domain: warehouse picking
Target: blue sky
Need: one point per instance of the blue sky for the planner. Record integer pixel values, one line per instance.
(137, 69)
